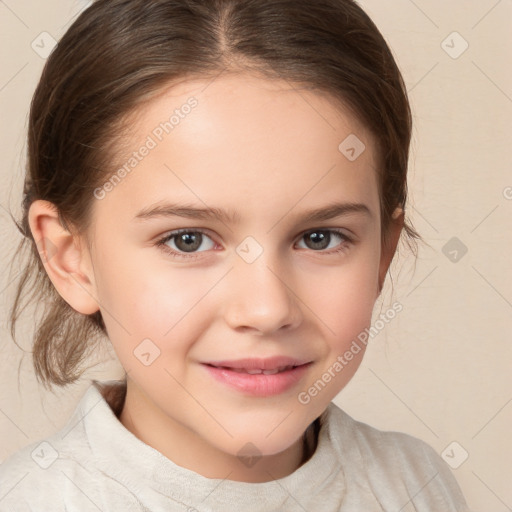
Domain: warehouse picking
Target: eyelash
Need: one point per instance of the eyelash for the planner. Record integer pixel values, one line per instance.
(161, 243)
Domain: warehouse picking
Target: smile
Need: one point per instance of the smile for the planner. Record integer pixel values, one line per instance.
(257, 371)
(258, 382)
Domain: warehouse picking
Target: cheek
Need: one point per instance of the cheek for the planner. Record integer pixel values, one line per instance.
(343, 312)
(343, 297)
(162, 303)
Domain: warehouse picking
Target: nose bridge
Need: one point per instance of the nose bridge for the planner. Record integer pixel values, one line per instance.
(260, 290)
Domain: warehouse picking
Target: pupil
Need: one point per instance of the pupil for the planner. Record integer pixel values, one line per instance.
(319, 238)
(191, 241)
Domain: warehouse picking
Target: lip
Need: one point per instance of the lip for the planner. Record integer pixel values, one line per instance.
(268, 363)
(258, 385)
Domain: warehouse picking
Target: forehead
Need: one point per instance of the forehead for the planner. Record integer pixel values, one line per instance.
(238, 104)
(239, 140)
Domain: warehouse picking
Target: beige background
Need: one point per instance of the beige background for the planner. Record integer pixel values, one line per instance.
(441, 369)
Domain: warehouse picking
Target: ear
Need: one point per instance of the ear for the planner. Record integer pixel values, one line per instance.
(65, 257)
(390, 243)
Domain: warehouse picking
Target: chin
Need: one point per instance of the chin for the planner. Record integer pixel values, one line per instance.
(263, 441)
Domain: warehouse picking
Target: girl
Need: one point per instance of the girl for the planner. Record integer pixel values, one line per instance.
(217, 187)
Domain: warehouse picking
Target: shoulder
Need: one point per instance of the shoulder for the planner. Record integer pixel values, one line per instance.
(386, 446)
(395, 463)
(50, 473)
(61, 472)
(35, 477)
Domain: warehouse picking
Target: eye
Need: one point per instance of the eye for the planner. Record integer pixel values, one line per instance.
(185, 241)
(320, 239)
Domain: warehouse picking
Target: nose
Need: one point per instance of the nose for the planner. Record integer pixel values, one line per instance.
(260, 296)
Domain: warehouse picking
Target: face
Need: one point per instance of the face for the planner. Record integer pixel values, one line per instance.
(262, 279)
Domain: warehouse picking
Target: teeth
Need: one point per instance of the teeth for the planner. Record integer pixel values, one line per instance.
(257, 371)
(254, 371)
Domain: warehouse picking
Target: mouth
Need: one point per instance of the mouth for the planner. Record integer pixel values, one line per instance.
(256, 365)
(258, 377)
(258, 371)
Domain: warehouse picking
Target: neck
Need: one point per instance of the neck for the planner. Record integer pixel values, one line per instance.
(186, 449)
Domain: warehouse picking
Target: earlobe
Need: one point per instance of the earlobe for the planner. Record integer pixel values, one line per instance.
(391, 242)
(65, 258)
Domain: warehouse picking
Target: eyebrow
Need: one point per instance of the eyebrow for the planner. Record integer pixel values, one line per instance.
(328, 212)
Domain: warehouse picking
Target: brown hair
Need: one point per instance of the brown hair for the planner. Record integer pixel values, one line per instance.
(120, 53)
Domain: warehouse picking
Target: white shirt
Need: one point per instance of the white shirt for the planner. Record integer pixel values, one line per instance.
(95, 464)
